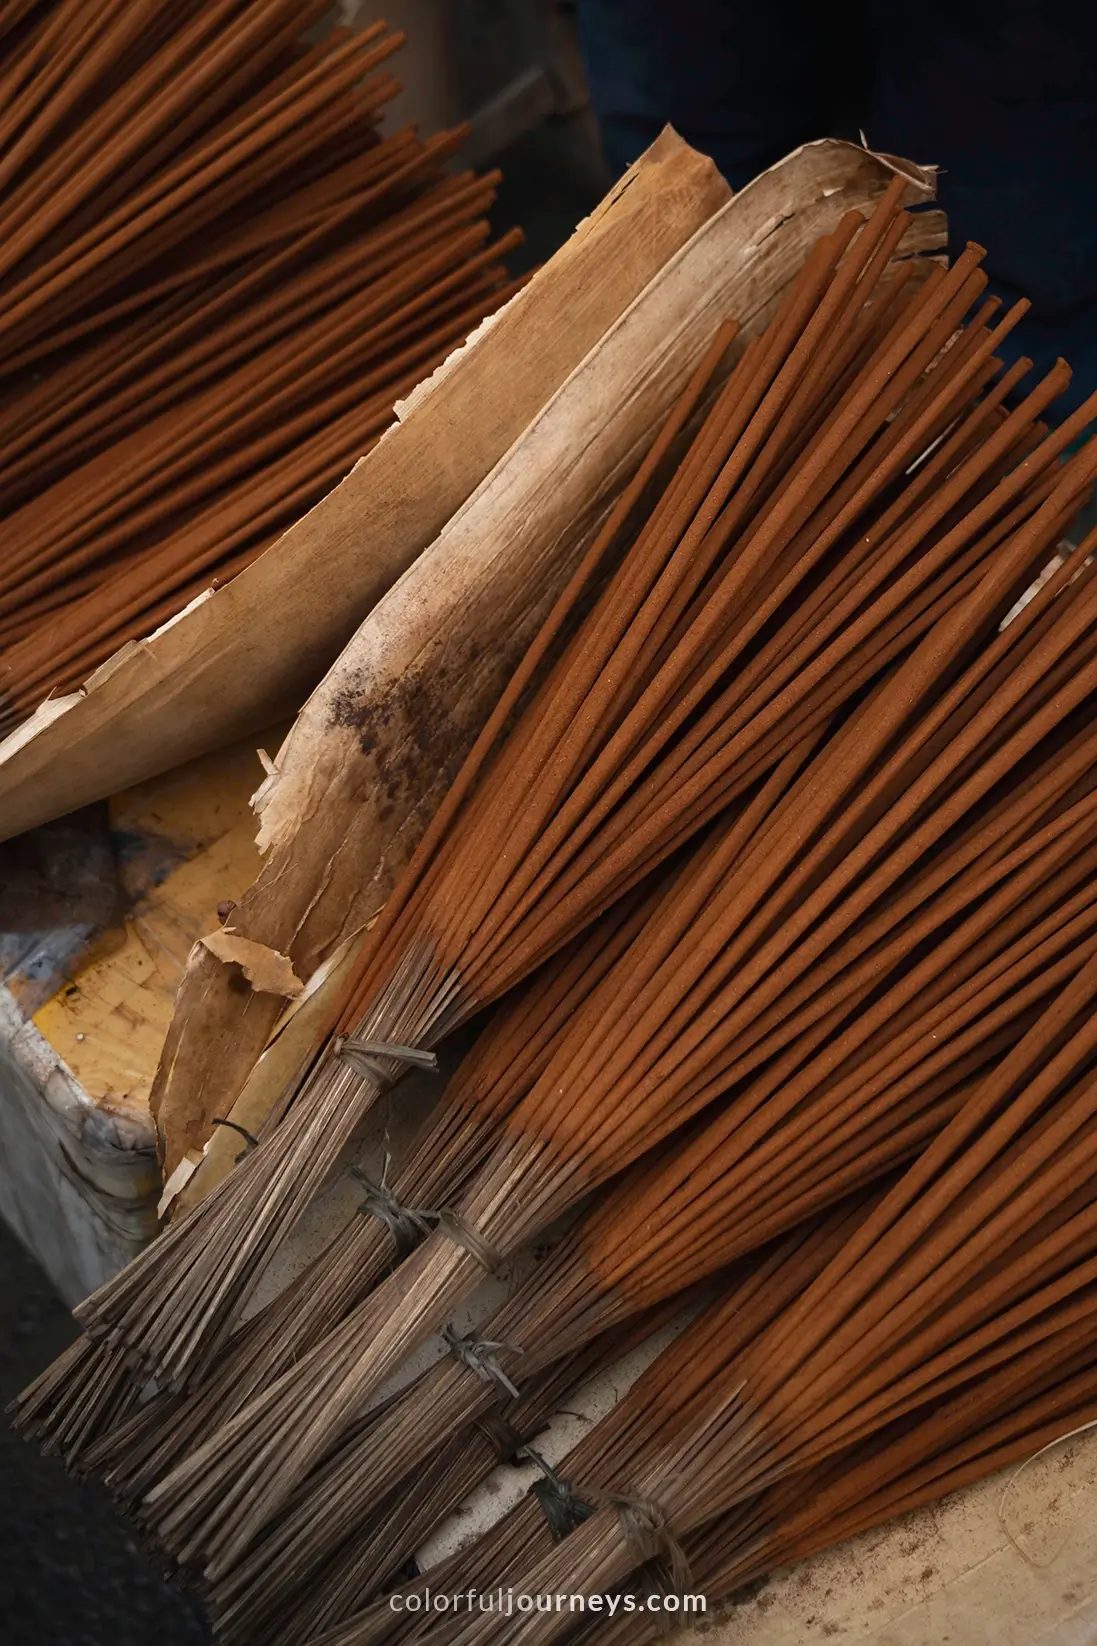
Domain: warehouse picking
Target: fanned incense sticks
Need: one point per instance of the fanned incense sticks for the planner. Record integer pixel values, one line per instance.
(213, 288)
(749, 1300)
(1003, 950)
(782, 670)
(92, 1402)
(470, 932)
(763, 903)
(937, 762)
(692, 1211)
(983, 1252)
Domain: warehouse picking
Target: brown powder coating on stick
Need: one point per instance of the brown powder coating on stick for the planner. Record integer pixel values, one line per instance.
(216, 280)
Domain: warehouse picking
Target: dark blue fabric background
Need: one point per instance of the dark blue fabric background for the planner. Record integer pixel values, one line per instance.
(1002, 96)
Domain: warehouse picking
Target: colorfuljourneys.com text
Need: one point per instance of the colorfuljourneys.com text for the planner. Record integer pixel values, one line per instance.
(509, 1603)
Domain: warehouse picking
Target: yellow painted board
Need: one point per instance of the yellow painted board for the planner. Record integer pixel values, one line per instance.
(186, 844)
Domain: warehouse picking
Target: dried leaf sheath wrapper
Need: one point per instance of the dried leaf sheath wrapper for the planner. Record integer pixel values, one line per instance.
(195, 685)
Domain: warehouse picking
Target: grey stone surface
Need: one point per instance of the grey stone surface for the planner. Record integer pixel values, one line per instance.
(71, 1571)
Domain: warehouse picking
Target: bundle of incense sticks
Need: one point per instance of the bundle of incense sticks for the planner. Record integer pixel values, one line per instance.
(749, 1300)
(795, 679)
(84, 1406)
(1038, 1395)
(1045, 1394)
(216, 280)
(971, 1283)
(965, 1001)
(359, 1566)
(678, 1220)
(787, 560)
(823, 843)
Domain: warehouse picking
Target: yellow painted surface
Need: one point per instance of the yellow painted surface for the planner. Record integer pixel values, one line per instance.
(188, 845)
